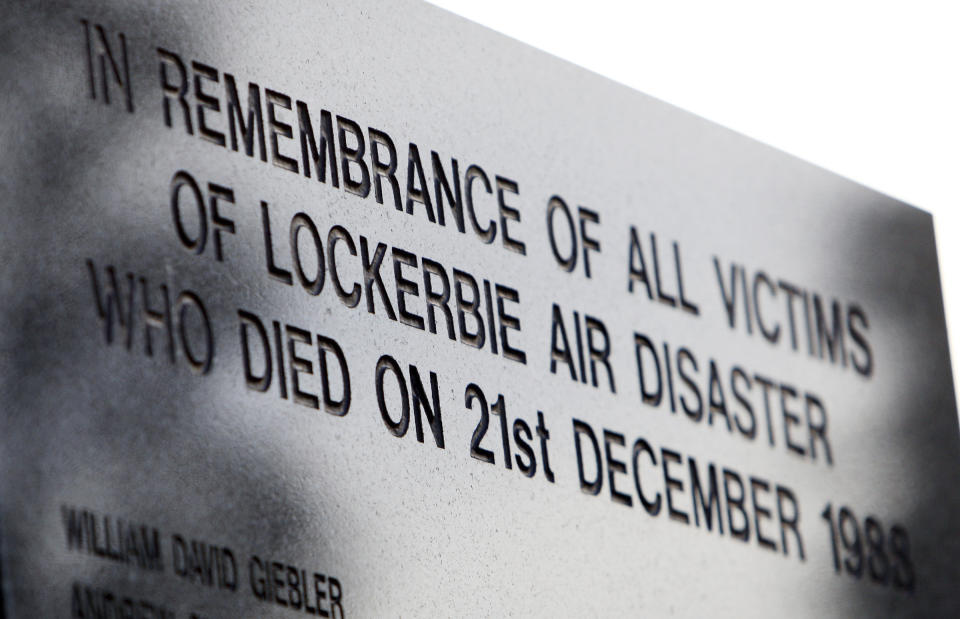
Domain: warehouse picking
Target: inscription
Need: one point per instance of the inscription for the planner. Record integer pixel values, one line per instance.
(88, 602)
(105, 66)
(285, 585)
(337, 151)
(112, 538)
(193, 561)
(472, 310)
(749, 508)
(181, 320)
(337, 311)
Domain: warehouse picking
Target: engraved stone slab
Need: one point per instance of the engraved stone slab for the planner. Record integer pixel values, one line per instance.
(363, 310)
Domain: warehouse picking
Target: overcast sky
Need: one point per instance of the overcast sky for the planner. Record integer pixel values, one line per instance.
(869, 90)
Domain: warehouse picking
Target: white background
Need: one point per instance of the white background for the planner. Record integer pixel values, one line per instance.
(869, 90)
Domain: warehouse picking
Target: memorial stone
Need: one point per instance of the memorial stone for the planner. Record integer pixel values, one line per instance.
(360, 309)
